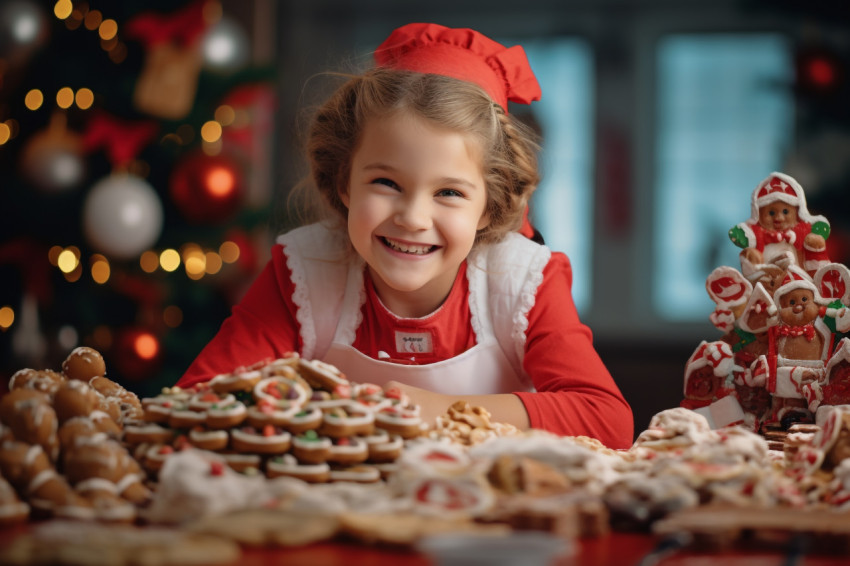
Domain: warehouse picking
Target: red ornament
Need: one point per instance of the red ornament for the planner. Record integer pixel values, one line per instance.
(137, 354)
(206, 189)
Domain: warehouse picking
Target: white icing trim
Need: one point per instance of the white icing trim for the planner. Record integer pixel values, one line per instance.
(40, 479)
(96, 484)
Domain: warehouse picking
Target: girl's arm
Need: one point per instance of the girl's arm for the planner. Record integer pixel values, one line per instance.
(575, 394)
(261, 326)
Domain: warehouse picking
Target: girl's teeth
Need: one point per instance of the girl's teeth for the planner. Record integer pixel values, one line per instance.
(408, 249)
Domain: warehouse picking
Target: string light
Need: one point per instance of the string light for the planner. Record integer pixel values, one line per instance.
(7, 318)
(34, 99)
(100, 270)
(211, 131)
(5, 133)
(169, 260)
(146, 346)
(65, 97)
(63, 8)
(67, 261)
(84, 98)
(149, 261)
(229, 252)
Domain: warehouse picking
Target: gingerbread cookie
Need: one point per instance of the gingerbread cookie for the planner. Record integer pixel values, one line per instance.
(84, 363)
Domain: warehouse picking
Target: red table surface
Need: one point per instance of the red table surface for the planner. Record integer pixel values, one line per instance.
(615, 549)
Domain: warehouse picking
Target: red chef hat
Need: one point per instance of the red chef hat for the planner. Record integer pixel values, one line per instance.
(464, 54)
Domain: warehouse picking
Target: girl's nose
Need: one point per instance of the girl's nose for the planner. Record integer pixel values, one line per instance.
(414, 213)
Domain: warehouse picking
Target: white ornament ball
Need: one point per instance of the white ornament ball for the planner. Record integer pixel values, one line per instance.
(225, 46)
(122, 216)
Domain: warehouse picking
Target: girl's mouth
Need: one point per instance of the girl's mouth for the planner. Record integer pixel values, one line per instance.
(412, 249)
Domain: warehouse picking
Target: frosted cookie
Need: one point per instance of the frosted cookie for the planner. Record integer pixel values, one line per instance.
(51, 495)
(328, 399)
(155, 456)
(356, 474)
(149, 433)
(385, 451)
(282, 392)
(128, 403)
(348, 451)
(184, 417)
(76, 430)
(206, 439)
(75, 398)
(287, 465)
(13, 511)
(203, 400)
(242, 463)
(83, 363)
(46, 381)
(266, 412)
(311, 448)
(31, 418)
(268, 440)
(403, 421)
(304, 420)
(226, 415)
(347, 420)
(241, 379)
(321, 375)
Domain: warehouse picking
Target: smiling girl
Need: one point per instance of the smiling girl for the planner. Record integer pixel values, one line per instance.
(420, 277)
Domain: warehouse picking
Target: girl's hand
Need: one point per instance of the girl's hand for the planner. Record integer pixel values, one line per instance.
(431, 404)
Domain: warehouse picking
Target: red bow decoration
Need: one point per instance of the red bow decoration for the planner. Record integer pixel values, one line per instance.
(465, 54)
(807, 330)
(123, 140)
(182, 26)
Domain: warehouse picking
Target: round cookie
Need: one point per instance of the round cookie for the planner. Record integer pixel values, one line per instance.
(321, 375)
(268, 440)
(402, 421)
(75, 398)
(239, 380)
(356, 474)
(84, 363)
(311, 448)
(304, 420)
(150, 433)
(206, 439)
(287, 465)
(226, 415)
(282, 392)
(347, 420)
(387, 451)
(31, 418)
(46, 381)
(348, 451)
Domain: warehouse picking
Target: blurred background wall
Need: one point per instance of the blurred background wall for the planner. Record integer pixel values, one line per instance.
(658, 117)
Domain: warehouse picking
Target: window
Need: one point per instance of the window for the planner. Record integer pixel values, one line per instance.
(724, 122)
(561, 209)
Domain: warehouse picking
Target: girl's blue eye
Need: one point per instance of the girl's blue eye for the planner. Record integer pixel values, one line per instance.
(384, 181)
(449, 193)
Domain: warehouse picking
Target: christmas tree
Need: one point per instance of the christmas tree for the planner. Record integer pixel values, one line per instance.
(134, 137)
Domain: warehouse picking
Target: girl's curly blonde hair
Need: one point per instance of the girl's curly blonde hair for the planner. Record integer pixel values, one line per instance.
(508, 146)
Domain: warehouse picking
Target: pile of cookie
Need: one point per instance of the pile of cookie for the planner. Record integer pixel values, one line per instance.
(283, 417)
(60, 445)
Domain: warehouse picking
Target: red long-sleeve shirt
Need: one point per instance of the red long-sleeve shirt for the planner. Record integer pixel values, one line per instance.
(575, 394)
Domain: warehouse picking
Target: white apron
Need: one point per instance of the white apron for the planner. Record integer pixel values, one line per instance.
(502, 284)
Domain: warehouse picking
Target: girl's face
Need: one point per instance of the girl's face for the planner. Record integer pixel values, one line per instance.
(416, 198)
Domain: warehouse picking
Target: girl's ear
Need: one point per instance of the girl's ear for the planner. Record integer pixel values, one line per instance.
(484, 221)
(343, 196)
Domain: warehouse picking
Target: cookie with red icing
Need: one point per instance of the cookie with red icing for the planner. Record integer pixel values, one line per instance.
(268, 440)
(401, 420)
(282, 392)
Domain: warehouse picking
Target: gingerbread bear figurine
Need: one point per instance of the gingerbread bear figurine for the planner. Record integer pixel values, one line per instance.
(781, 225)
